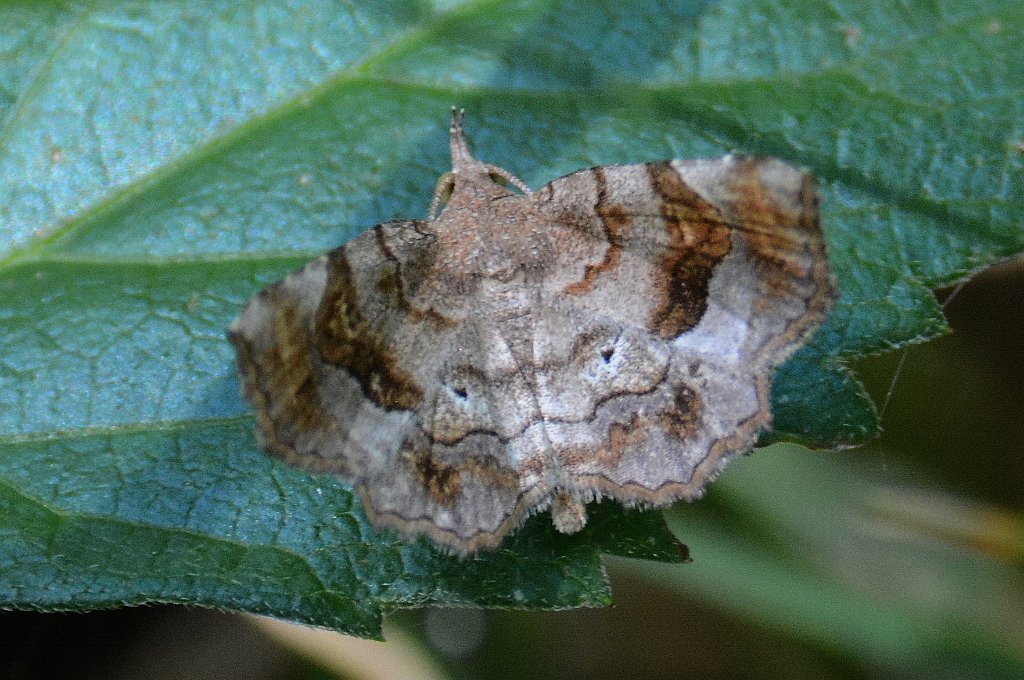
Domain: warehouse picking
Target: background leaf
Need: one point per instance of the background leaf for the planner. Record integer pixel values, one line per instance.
(858, 561)
(160, 162)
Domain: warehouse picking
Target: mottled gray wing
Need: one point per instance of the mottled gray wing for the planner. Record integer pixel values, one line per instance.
(687, 283)
(348, 363)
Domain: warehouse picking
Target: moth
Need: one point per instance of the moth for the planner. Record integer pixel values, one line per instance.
(611, 334)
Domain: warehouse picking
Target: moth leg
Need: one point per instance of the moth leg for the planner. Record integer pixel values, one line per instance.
(568, 513)
(509, 178)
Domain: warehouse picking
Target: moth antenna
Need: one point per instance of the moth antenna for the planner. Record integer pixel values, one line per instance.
(442, 192)
(504, 174)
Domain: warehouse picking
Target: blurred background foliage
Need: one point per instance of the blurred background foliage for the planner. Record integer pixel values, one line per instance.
(201, 152)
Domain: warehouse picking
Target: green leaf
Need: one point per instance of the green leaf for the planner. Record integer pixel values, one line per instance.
(160, 162)
(195, 514)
